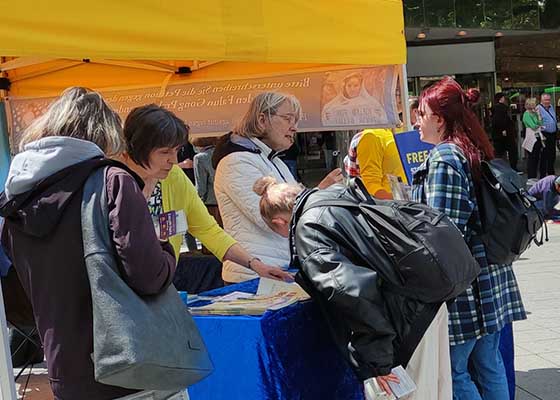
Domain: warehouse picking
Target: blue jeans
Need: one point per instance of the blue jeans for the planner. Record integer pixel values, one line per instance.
(487, 367)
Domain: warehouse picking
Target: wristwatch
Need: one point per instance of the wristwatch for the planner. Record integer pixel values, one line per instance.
(251, 261)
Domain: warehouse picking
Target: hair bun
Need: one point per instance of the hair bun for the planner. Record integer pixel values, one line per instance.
(262, 184)
(472, 95)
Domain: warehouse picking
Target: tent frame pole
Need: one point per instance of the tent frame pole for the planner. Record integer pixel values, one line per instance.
(404, 98)
(7, 384)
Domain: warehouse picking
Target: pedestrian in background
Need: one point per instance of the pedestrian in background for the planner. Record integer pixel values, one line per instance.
(533, 121)
(549, 130)
(503, 133)
(327, 141)
(204, 173)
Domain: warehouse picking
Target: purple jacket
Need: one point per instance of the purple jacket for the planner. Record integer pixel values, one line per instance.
(43, 237)
(547, 196)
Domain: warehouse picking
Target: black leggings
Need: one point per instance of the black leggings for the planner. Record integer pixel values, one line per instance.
(536, 161)
(549, 153)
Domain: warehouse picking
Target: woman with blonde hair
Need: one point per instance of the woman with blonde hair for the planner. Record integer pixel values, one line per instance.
(42, 234)
(249, 152)
(533, 122)
(344, 271)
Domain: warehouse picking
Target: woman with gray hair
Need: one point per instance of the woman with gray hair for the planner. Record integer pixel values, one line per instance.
(248, 153)
(43, 234)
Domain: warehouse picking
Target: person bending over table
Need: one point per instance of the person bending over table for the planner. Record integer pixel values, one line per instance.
(153, 135)
(547, 193)
(252, 151)
(375, 328)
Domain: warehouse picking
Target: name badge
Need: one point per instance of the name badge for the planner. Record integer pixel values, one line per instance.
(170, 223)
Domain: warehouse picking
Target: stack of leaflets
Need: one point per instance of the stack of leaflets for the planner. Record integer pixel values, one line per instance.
(271, 295)
(240, 303)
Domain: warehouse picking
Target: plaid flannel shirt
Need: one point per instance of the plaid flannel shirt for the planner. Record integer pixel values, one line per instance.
(444, 182)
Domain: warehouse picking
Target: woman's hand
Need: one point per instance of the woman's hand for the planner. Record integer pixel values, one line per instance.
(383, 381)
(335, 176)
(267, 271)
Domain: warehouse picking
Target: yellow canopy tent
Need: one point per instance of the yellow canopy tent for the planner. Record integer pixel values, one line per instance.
(122, 43)
(46, 46)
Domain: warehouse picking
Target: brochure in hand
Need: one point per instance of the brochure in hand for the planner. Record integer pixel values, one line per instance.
(406, 386)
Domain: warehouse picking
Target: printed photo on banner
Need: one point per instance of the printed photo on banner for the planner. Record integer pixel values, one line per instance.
(355, 97)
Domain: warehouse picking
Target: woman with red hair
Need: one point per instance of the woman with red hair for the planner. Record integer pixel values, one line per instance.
(447, 182)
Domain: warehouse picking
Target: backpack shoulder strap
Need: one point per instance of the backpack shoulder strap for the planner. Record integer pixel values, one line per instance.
(359, 190)
(95, 214)
(332, 203)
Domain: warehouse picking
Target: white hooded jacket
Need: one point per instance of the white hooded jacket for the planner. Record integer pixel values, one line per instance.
(239, 205)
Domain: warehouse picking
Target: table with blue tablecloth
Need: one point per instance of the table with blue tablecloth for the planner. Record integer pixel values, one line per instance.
(282, 355)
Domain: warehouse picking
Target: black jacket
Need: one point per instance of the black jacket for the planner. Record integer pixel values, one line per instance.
(501, 121)
(375, 328)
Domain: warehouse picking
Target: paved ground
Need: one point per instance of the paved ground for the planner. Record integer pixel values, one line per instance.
(537, 340)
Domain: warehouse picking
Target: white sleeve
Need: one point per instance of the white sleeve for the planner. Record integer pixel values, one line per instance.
(235, 177)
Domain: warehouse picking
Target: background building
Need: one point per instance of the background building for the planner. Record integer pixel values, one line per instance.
(506, 45)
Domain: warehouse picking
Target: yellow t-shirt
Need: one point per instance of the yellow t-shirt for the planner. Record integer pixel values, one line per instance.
(378, 157)
(178, 193)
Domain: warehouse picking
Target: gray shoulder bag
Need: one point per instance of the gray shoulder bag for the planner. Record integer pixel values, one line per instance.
(139, 342)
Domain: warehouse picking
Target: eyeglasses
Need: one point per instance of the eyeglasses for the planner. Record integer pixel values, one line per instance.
(423, 114)
(291, 118)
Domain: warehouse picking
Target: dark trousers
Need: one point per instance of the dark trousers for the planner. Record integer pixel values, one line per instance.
(536, 161)
(506, 148)
(549, 153)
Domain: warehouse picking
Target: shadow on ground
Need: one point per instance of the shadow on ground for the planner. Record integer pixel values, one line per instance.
(542, 383)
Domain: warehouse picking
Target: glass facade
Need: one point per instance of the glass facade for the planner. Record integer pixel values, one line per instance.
(489, 14)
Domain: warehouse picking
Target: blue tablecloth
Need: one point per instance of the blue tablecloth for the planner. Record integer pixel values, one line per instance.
(283, 355)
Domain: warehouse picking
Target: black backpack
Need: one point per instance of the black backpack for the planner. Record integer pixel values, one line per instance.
(425, 247)
(510, 220)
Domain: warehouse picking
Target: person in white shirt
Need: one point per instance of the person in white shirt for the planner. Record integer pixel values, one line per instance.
(245, 155)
